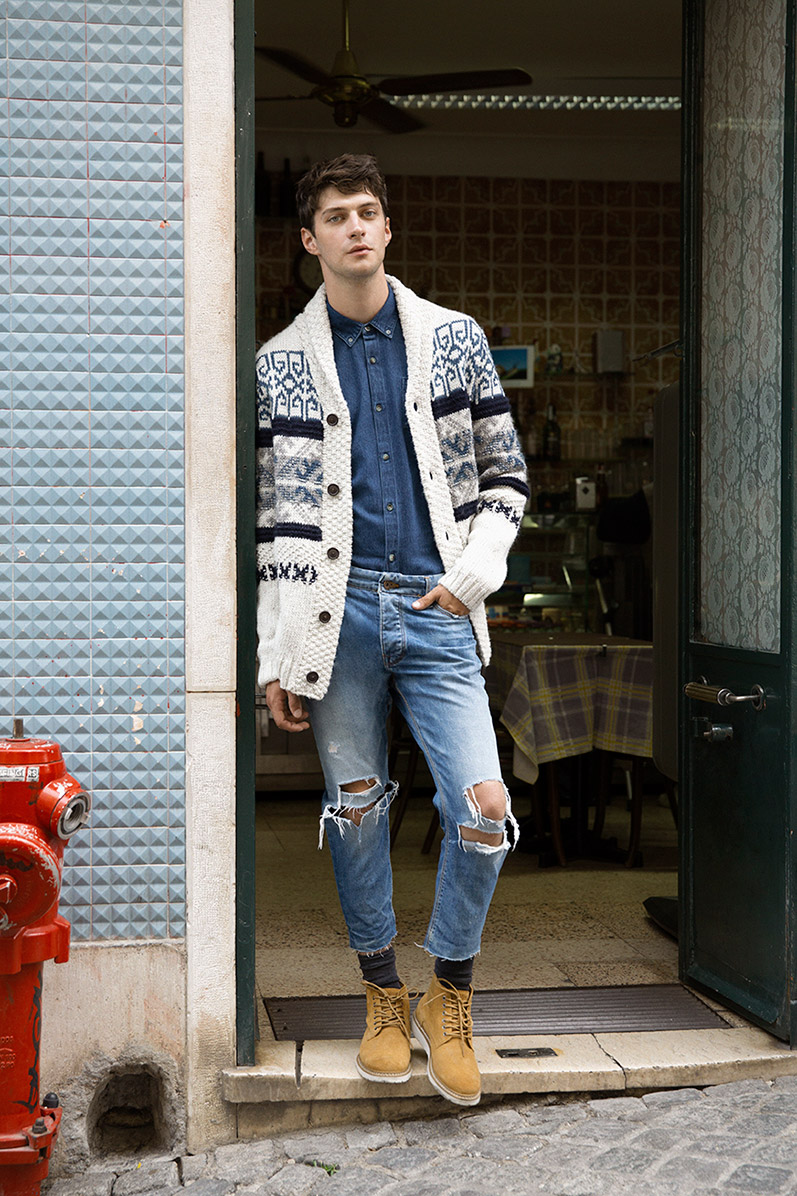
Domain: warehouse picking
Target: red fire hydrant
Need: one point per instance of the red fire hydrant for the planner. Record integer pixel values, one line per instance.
(41, 806)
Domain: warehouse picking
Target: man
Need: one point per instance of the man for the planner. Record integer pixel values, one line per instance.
(391, 486)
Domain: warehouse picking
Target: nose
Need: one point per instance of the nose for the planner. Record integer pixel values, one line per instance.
(355, 225)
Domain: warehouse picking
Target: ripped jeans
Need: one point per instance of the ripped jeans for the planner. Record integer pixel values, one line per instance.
(424, 661)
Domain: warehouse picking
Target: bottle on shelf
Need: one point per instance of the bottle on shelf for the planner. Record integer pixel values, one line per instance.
(530, 436)
(551, 436)
(601, 487)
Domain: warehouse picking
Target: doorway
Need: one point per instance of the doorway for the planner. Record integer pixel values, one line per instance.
(548, 257)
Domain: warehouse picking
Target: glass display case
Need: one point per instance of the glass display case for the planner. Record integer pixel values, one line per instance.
(548, 584)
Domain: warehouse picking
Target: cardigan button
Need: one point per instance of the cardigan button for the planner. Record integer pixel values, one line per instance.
(332, 419)
(333, 489)
(311, 678)
(324, 617)
(333, 554)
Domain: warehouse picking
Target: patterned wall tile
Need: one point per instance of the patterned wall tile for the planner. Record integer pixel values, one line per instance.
(91, 396)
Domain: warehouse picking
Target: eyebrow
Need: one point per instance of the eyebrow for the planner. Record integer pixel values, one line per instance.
(345, 207)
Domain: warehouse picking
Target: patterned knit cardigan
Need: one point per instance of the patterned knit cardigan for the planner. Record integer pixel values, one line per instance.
(471, 466)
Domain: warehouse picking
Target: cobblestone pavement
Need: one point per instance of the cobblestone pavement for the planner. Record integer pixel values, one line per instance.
(739, 1139)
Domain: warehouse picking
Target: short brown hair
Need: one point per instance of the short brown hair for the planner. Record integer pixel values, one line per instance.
(349, 173)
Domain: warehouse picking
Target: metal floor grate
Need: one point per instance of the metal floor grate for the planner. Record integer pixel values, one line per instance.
(622, 1009)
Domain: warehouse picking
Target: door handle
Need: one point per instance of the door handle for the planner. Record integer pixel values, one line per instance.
(720, 695)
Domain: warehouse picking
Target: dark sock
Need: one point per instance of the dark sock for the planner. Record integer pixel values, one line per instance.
(380, 969)
(458, 972)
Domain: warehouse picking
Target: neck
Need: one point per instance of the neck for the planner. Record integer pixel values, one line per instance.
(360, 300)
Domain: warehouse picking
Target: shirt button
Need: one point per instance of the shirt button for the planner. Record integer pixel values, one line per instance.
(392, 556)
(324, 617)
(372, 360)
(311, 678)
(390, 506)
(351, 340)
(379, 406)
(333, 554)
(333, 489)
(332, 420)
(385, 456)
(367, 328)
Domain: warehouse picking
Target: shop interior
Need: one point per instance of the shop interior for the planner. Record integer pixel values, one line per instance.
(557, 227)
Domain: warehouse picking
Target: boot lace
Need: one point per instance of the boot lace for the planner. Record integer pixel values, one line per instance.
(388, 1009)
(457, 1018)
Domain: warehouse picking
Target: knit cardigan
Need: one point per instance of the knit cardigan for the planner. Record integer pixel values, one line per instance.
(471, 466)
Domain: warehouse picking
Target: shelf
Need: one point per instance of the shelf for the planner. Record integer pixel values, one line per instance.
(572, 462)
(554, 379)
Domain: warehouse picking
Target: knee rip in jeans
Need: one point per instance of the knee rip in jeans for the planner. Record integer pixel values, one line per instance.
(355, 800)
(486, 834)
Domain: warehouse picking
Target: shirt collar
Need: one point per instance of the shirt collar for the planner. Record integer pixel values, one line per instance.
(384, 321)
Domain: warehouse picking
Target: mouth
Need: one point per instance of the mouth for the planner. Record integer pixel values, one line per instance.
(359, 249)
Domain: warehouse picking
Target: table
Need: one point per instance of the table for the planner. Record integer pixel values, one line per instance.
(562, 695)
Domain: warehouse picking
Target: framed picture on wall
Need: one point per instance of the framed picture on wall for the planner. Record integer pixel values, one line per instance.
(515, 364)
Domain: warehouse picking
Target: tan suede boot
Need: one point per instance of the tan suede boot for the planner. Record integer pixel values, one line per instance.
(385, 1049)
(443, 1025)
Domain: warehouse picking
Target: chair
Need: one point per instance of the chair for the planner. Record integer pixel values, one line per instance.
(633, 770)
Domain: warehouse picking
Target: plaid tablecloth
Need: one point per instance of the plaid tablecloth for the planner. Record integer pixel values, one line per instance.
(566, 696)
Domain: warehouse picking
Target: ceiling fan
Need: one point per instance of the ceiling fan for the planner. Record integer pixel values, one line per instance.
(350, 95)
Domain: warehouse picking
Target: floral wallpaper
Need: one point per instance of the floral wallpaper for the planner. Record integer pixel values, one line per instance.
(744, 82)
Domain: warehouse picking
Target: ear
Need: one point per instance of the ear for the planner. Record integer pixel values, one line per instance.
(388, 231)
(308, 240)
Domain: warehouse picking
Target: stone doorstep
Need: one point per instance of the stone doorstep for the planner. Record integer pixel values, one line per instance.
(582, 1063)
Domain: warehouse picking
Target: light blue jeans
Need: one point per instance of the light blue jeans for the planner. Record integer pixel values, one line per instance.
(424, 661)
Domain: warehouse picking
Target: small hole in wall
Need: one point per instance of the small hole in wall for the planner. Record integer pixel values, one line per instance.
(126, 1114)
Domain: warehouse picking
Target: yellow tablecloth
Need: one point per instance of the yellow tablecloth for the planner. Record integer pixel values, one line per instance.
(568, 695)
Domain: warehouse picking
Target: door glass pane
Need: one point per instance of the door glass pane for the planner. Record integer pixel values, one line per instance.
(742, 234)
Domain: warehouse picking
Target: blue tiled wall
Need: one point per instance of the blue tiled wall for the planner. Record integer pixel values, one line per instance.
(91, 436)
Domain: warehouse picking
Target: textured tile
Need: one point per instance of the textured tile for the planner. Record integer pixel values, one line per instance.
(88, 560)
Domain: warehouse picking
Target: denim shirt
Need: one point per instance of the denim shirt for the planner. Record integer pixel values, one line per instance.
(392, 530)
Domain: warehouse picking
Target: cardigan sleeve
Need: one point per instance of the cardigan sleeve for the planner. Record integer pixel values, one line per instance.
(267, 588)
(503, 490)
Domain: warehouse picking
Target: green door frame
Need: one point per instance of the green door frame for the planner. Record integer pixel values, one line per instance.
(244, 34)
(784, 771)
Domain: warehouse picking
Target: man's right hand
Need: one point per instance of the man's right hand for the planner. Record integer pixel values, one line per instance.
(287, 709)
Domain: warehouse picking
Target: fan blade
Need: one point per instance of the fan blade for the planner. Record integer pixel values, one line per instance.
(409, 85)
(295, 64)
(393, 120)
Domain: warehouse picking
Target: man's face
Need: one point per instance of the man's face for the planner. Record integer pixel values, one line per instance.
(350, 235)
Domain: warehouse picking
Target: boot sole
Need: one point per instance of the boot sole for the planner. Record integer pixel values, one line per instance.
(456, 1098)
(378, 1077)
